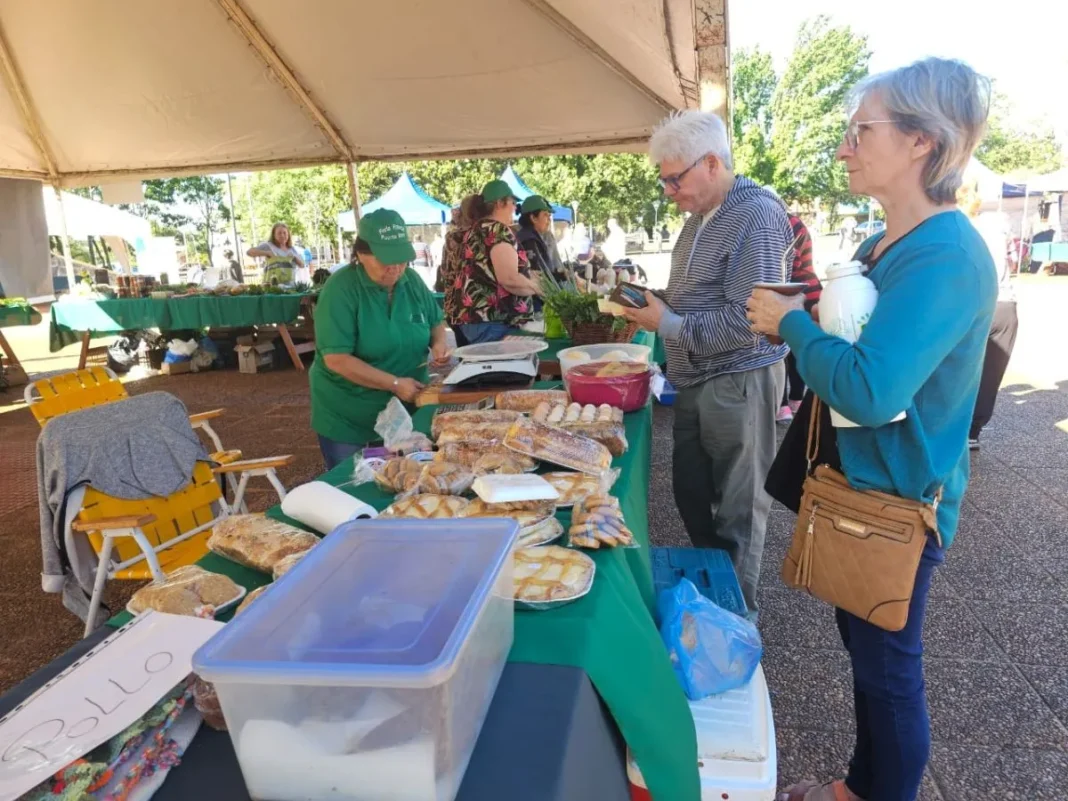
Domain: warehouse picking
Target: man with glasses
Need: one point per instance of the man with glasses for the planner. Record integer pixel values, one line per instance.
(730, 381)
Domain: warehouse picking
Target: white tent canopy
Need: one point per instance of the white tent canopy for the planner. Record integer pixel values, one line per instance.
(111, 89)
(86, 218)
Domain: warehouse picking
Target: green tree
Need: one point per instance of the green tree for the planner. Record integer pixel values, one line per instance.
(753, 84)
(1011, 145)
(809, 111)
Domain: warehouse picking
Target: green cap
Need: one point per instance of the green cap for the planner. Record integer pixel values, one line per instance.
(534, 203)
(385, 232)
(497, 190)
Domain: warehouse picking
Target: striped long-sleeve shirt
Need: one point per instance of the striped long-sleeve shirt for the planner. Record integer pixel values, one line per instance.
(713, 268)
(802, 271)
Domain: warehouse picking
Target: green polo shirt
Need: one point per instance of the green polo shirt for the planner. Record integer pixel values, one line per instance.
(355, 315)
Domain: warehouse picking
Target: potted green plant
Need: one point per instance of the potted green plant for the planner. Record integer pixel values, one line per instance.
(582, 318)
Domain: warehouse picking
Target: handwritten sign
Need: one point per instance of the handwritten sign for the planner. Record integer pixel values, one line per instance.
(100, 695)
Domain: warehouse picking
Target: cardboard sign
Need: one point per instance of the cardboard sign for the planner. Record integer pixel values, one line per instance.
(95, 699)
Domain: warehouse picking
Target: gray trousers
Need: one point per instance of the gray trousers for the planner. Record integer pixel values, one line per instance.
(724, 446)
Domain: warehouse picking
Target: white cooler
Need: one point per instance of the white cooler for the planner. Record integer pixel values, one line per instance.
(735, 746)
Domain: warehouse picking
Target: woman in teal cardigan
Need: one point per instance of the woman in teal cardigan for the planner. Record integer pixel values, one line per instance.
(908, 142)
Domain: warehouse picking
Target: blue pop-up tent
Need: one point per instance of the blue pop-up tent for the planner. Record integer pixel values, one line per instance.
(522, 191)
(406, 198)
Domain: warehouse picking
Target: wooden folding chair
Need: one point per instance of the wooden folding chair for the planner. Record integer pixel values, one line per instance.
(147, 539)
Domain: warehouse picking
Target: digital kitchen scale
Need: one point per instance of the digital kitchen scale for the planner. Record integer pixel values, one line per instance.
(513, 361)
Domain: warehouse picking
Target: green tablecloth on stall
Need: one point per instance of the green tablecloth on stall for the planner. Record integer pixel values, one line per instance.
(18, 314)
(610, 633)
(70, 319)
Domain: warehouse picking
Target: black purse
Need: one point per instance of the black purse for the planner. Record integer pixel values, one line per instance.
(788, 472)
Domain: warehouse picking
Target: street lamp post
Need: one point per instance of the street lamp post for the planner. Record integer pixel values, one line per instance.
(574, 210)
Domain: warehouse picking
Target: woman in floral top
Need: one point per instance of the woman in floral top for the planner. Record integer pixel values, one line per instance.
(490, 294)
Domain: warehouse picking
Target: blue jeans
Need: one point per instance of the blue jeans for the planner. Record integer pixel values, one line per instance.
(334, 452)
(486, 332)
(893, 730)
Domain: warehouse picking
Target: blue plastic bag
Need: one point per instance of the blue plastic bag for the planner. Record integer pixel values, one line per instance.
(711, 649)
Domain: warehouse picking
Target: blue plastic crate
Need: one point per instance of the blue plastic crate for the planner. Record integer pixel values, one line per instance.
(667, 397)
(710, 570)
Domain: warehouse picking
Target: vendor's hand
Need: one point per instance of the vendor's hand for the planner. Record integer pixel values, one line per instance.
(649, 317)
(815, 312)
(766, 308)
(407, 389)
(440, 355)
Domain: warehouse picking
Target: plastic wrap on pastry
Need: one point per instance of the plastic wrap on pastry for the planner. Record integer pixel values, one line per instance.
(185, 591)
(472, 432)
(597, 521)
(257, 541)
(610, 434)
(206, 700)
(445, 420)
(527, 400)
(426, 507)
(526, 513)
(251, 598)
(287, 563)
(483, 457)
(550, 444)
(551, 575)
(541, 533)
(573, 487)
(438, 478)
(506, 463)
(398, 474)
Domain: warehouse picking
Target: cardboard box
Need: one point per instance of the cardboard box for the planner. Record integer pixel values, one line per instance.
(255, 358)
(176, 368)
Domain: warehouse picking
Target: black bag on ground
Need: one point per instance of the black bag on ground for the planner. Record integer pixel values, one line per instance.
(787, 474)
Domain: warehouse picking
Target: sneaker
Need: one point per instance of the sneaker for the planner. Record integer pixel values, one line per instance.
(785, 415)
(973, 443)
(794, 406)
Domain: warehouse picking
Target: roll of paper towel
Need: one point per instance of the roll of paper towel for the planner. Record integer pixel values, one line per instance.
(323, 507)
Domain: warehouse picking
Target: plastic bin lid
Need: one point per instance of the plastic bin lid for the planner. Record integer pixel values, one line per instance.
(377, 603)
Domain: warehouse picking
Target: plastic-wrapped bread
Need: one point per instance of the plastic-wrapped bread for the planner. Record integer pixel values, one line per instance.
(527, 400)
(184, 591)
(445, 420)
(542, 411)
(550, 444)
(444, 478)
(551, 574)
(482, 456)
(397, 475)
(526, 513)
(281, 568)
(573, 487)
(206, 700)
(257, 541)
(612, 435)
(507, 463)
(427, 507)
(472, 432)
(597, 521)
(574, 411)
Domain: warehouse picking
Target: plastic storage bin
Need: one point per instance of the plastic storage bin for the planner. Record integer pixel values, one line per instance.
(709, 569)
(366, 671)
(610, 351)
(735, 746)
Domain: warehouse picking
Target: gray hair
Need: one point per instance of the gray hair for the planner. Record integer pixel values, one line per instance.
(688, 135)
(944, 99)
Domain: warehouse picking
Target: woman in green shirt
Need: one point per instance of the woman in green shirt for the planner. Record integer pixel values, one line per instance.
(374, 321)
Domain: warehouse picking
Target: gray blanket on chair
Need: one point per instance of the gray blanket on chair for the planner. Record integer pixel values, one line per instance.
(141, 447)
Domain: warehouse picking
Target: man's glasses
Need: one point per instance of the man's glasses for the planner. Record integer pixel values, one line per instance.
(675, 181)
(852, 132)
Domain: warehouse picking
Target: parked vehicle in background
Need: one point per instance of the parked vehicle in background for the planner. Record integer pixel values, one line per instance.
(866, 229)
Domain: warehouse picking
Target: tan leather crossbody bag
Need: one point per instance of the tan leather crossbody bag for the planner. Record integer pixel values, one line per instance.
(858, 550)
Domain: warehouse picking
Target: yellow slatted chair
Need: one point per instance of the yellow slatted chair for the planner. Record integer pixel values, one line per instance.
(146, 539)
(93, 386)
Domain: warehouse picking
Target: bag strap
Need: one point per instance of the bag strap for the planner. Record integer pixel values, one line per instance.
(812, 448)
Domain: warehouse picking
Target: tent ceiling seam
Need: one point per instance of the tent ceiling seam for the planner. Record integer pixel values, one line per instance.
(266, 50)
(666, 15)
(549, 13)
(29, 114)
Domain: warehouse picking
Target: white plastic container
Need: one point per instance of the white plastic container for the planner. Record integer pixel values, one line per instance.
(609, 351)
(735, 746)
(508, 488)
(846, 304)
(367, 672)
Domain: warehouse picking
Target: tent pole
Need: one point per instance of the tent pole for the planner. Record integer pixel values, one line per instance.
(354, 190)
(233, 216)
(68, 260)
(1023, 226)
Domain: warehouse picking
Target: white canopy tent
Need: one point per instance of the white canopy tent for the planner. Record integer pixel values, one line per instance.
(94, 92)
(86, 218)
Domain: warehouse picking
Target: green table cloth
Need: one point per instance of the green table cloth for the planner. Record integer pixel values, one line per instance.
(610, 633)
(14, 314)
(70, 319)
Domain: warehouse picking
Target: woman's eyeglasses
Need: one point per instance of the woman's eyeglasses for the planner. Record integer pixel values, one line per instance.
(852, 131)
(675, 181)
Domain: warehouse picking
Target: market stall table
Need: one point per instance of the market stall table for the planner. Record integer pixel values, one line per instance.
(13, 314)
(74, 320)
(609, 634)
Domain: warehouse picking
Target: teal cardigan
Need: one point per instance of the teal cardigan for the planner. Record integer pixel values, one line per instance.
(921, 351)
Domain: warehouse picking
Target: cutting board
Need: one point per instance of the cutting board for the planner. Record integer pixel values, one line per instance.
(438, 393)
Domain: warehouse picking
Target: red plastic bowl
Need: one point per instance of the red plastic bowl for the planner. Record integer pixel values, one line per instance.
(629, 392)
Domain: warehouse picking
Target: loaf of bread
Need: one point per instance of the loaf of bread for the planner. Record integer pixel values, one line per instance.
(472, 455)
(257, 541)
(184, 591)
(472, 432)
(551, 444)
(597, 521)
(447, 419)
(398, 475)
(527, 400)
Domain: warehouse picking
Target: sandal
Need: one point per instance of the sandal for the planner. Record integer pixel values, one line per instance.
(810, 790)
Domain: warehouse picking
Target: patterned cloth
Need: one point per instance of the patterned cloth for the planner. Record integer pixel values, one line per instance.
(477, 297)
(449, 269)
(802, 271)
